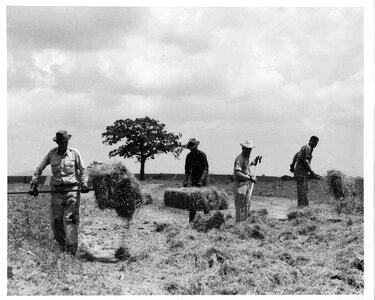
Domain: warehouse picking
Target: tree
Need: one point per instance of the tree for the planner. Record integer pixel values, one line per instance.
(145, 138)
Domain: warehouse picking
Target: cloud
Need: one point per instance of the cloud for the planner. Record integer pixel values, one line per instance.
(277, 75)
(71, 28)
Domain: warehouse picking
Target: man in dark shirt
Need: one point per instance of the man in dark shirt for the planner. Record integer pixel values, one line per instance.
(301, 166)
(196, 172)
(196, 165)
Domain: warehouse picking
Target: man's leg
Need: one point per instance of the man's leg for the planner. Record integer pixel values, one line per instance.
(206, 207)
(239, 201)
(71, 221)
(300, 191)
(302, 187)
(306, 198)
(193, 210)
(57, 222)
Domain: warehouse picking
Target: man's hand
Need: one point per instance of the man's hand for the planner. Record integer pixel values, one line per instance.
(253, 179)
(316, 176)
(34, 190)
(257, 160)
(185, 184)
(84, 188)
(292, 168)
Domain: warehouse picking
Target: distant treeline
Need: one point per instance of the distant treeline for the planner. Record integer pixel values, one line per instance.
(223, 178)
(45, 180)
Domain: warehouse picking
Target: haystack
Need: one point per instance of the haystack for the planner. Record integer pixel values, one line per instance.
(182, 197)
(116, 187)
(340, 184)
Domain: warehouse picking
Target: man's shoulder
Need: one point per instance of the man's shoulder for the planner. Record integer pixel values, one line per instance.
(239, 157)
(73, 150)
(202, 153)
(53, 150)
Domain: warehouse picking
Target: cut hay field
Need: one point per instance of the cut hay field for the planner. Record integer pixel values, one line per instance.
(316, 250)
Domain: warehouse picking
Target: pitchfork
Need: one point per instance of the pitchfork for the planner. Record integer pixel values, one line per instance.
(249, 191)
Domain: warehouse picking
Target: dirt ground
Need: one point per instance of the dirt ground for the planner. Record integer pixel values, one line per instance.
(290, 259)
(108, 232)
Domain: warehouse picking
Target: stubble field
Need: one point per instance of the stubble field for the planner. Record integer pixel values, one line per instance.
(316, 250)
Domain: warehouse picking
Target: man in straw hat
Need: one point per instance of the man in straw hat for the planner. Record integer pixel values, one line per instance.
(301, 166)
(68, 172)
(242, 177)
(196, 172)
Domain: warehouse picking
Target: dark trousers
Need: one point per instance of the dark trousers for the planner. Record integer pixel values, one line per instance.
(302, 190)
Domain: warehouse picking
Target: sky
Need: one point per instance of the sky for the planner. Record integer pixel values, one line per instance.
(274, 75)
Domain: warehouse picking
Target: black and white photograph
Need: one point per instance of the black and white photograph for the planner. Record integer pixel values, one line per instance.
(186, 148)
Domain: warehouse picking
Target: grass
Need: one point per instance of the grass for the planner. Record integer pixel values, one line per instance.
(315, 251)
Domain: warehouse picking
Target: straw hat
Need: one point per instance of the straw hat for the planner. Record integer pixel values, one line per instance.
(248, 144)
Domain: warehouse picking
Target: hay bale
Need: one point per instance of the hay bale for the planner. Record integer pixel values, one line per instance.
(341, 185)
(116, 187)
(182, 197)
(207, 223)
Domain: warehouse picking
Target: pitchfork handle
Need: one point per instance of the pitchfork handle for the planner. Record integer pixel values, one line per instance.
(48, 192)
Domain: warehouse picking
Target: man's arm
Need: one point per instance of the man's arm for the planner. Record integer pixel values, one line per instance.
(187, 172)
(292, 165)
(39, 170)
(205, 169)
(306, 155)
(241, 175)
(82, 172)
(35, 177)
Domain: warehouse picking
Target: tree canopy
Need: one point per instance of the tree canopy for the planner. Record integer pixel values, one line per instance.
(144, 138)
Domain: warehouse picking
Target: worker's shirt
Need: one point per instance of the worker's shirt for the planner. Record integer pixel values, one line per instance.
(241, 163)
(195, 164)
(305, 154)
(67, 168)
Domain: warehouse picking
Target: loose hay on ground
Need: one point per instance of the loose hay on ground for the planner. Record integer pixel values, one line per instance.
(206, 223)
(182, 197)
(116, 187)
(122, 253)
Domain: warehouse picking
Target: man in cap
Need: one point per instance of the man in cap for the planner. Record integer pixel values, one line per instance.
(68, 172)
(242, 178)
(196, 172)
(301, 166)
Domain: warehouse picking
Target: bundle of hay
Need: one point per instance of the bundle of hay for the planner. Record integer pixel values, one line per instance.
(207, 223)
(340, 184)
(122, 253)
(246, 231)
(116, 187)
(182, 197)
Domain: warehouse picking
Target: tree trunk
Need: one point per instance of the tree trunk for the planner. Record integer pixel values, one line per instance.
(142, 173)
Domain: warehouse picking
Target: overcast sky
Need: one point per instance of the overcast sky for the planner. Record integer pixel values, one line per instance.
(222, 75)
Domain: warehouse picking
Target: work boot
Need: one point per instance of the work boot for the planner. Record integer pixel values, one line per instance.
(72, 249)
(192, 214)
